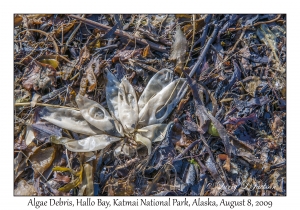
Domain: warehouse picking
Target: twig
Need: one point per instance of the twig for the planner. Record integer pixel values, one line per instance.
(213, 160)
(236, 44)
(121, 33)
(204, 51)
(201, 165)
(255, 24)
(181, 92)
(28, 158)
(45, 34)
(41, 104)
(201, 108)
(194, 28)
(200, 58)
(191, 146)
(226, 59)
(71, 37)
(149, 68)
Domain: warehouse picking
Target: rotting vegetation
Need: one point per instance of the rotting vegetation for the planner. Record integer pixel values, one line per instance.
(150, 104)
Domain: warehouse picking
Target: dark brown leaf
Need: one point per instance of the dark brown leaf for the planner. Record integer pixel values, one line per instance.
(38, 76)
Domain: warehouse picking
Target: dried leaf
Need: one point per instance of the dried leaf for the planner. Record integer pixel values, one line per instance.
(187, 29)
(274, 178)
(222, 157)
(252, 85)
(43, 130)
(91, 76)
(204, 120)
(29, 135)
(64, 28)
(42, 159)
(146, 51)
(18, 20)
(277, 126)
(53, 62)
(84, 55)
(83, 85)
(22, 96)
(245, 59)
(19, 165)
(38, 76)
(124, 55)
(87, 185)
(266, 36)
(24, 189)
(191, 175)
(61, 178)
(186, 16)
(212, 130)
(178, 49)
(120, 187)
(36, 16)
(67, 69)
(190, 125)
(226, 166)
(74, 183)
(184, 141)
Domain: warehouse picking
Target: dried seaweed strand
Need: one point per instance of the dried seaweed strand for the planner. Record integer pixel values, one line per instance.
(255, 24)
(121, 33)
(41, 104)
